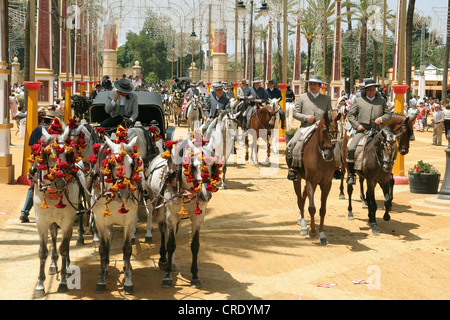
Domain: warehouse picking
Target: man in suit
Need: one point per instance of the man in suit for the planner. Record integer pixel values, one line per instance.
(97, 90)
(366, 111)
(309, 109)
(275, 93)
(215, 102)
(256, 96)
(121, 104)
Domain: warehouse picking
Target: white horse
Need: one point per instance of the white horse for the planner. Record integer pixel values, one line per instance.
(117, 194)
(183, 192)
(223, 133)
(290, 114)
(148, 146)
(193, 113)
(57, 184)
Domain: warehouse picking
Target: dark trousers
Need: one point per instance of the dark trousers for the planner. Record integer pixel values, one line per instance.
(447, 127)
(112, 122)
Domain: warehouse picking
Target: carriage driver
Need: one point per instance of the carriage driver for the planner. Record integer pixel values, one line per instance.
(256, 95)
(309, 109)
(366, 111)
(121, 104)
(275, 93)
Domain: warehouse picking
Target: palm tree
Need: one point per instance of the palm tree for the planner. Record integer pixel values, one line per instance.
(349, 5)
(408, 46)
(447, 53)
(309, 30)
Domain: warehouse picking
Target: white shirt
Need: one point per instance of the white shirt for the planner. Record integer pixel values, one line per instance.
(315, 95)
(438, 116)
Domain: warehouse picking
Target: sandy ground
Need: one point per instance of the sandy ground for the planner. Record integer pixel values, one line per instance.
(251, 248)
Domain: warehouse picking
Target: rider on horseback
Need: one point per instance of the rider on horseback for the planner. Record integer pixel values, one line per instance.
(309, 109)
(215, 102)
(256, 95)
(368, 110)
(275, 93)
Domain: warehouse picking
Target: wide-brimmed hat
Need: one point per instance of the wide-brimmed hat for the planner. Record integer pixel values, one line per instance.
(244, 80)
(124, 85)
(315, 78)
(370, 83)
(270, 82)
(257, 80)
(217, 85)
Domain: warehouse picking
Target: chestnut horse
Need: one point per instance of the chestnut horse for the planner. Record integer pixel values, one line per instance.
(317, 169)
(262, 123)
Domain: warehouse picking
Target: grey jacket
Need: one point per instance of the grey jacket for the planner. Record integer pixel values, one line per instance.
(131, 106)
(364, 112)
(214, 105)
(306, 105)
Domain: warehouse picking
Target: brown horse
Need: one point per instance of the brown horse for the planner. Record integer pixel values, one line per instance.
(317, 169)
(262, 122)
(377, 163)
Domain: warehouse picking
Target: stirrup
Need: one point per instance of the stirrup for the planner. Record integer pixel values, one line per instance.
(351, 179)
(292, 175)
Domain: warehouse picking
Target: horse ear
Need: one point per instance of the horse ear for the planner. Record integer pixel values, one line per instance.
(47, 136)
(237, 114)
(132, 142)
(65, 133)
(109, 143)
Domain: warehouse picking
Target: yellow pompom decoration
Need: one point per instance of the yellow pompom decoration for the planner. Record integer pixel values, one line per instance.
(183, 211)
(204, 169)
(198, 189)
(31, 159)
(115, 187)
(131, 187)
(166, 155)
(44, 204)
(106, 211)
(48, 149)
(53, 157)
(122, 152)
(106, 171)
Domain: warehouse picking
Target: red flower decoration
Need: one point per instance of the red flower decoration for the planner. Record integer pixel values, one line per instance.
(123, 210)
(92, 158)
(96, 147)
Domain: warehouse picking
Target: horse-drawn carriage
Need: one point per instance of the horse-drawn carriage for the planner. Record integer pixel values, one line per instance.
(150, 109)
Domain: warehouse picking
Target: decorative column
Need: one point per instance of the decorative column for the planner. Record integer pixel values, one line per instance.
(296, 76)
(220, 55)
(109, 51)
(91, 87)
(6, 166)
(15, 71)
(269, 53)
(283, 87)
(32, 122)
(399, 164)
(337, 85)
(44, 67)
(399, 46)
(208, 87)
(235, 86)
(82, 86)
(65, 54)
(68, 101)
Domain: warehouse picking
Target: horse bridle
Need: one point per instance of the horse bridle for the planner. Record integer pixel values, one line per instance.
(323, 148)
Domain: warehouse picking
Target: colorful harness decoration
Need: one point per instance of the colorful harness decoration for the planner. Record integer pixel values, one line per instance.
(42, 152)
(119, 180)
(210, 180)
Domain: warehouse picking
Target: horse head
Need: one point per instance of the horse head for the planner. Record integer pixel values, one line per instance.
(387, 144)
(121, 168)
(401, 126)
(325, 137)
(229, 120)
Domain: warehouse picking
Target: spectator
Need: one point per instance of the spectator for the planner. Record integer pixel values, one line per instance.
(13, 104)
(438, 120)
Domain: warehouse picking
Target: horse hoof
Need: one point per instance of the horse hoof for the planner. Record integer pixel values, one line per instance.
(38, 294)
(350, 216)
(162, 265)
(386, 217)
(148, 239)
(133, 241)
(100, 288)
(323, 241)
(375, 230)
(128, 290)
(196, 283)
(304, 232)
(312, 234)
(167, 282)
(80, 242)
(342, 196)
(52, 270)
(62, 288)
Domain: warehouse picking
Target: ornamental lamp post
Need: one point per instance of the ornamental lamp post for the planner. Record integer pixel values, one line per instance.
(264, 10)
(240, 7)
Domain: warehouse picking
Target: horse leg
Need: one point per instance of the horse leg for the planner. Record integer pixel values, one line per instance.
(171, 246)
(65, 260)
(39, 291)
(224, 171)
(350, 208)
(325, 190)
(104, 247)
(387, 200)
(53, 269)
(246, 147)
(195, 246)
(311, 208)
(341, 190)
(372, 204)
(128, 287)
(80, 238)
(301, 205)
(149, 235)
(361, 188)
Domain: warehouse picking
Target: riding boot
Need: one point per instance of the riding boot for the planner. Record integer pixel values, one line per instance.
(292, 173)
(351, 178)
